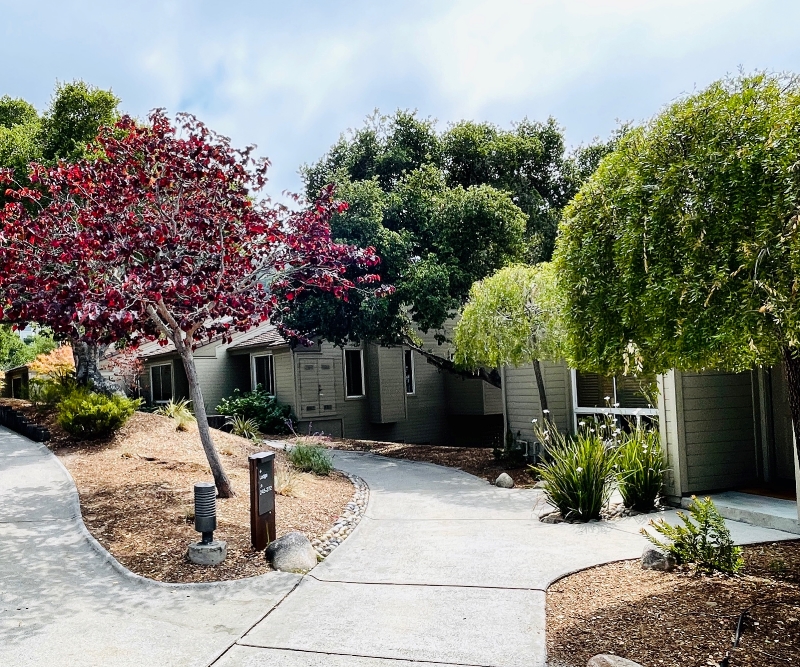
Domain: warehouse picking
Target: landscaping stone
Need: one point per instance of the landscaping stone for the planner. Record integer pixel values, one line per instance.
(504, 481)
(656, 559)
(608, 660)
(292, 552)
(552, 517)
(345, 524)
(212, 553)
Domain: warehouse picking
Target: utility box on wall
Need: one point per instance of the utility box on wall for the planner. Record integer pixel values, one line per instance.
(385, 384)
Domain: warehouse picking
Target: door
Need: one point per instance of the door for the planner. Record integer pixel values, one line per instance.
(317, 388)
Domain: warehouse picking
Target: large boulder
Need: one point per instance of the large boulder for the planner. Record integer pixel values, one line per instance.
(608, 660)
(504, 481)
(656, 559)
(292, 553)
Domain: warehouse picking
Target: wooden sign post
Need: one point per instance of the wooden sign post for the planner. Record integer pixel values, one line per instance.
(262, 499)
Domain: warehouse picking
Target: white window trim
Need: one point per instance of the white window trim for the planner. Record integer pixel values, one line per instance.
(171, 382)
(253, 358)
(413, 391)
(617, 412)
(363, 393)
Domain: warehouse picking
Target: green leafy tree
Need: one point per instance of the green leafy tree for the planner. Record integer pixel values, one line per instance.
(683, 250)
(443, 210)
(16, 351)
(77, 111)
(511, 318)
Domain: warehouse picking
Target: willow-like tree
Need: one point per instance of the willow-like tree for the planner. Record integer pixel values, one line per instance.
(683, 250)
(511, 318)
(161, 237)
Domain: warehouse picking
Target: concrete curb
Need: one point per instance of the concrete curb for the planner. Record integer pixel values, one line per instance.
(123, 571)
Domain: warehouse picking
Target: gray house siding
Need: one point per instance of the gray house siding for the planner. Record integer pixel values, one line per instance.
(522, 398)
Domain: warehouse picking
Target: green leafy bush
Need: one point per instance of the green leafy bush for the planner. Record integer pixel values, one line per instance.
(578, 472)
(47, 394)
(311, 458)
(640, 469)
(258, 405)
(86, 415)
(180, 411)
(703, 540)
(244, 428)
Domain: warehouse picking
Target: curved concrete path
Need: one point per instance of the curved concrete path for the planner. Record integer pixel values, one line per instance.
(444, 569)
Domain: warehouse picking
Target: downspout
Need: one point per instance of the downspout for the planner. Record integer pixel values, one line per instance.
(504, 398)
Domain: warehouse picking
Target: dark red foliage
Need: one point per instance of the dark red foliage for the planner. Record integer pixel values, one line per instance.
(162, 234)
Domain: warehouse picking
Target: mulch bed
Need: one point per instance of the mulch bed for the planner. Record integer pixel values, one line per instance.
(136, 494)
(478, 461)
(679, 619)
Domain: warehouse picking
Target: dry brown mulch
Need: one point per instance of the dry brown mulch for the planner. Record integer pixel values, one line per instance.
(679, 619)
(136, 494)
(478, 461)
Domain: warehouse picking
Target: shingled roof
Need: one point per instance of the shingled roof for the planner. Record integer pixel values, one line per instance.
(264, 335)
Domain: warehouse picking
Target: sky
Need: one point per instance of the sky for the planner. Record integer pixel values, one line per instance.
(290, 77)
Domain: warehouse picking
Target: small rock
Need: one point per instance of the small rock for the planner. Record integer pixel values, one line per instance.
(292, 553)
(608, 660)
(655, 559)
(504, 481)
(541, 484)
(552, 517)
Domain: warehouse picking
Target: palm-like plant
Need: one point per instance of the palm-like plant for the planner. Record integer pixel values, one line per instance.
(180, 411)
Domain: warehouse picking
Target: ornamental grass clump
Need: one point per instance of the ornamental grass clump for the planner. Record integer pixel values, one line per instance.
(640, 469)
(578, 472)
(180, 412)
(703, 540)
(311, 458)
(244, 428)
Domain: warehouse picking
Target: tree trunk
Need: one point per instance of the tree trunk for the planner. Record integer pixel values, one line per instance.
(791, 369)
(224, 489)
(537, 369)
(87, 372)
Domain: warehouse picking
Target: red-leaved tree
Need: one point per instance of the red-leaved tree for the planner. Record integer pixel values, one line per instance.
(163, 238)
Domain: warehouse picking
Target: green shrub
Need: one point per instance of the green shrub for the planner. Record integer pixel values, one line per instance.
(703, 540)
(311, 458)
(244, 428)
(640, 469)
(578, 472)
(86, 415)
(47, 394)
(258, 405)
(180, 411)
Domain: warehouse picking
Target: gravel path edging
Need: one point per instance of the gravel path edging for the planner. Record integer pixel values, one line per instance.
(347, 522)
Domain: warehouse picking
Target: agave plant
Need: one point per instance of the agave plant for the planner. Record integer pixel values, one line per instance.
(180, 411)
(244, 428)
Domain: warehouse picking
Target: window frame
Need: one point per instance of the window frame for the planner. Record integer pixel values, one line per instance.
(253, 377)
(616, 412)
(153, 401)
(363, 393)
(410, 354)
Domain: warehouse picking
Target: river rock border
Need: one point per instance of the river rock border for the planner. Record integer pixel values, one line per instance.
(349, 519)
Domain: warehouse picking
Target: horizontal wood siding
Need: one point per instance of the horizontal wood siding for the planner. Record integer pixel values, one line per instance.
(718, 428)
(284, 378)
(219, 376)
(522, 398)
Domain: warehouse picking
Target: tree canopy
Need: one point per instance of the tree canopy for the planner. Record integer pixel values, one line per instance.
(683, 250)
(443, 210)
(64, 131)
(511, 318)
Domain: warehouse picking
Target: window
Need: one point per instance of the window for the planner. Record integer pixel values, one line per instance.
(354, 373)
(161, 383)
(263, 373)
(408, 363)
(623, 396)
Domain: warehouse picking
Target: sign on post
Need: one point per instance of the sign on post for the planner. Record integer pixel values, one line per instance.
(262, 499)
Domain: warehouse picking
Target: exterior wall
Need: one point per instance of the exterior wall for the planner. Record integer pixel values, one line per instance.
(10, 376)
(522, 398)
(719, 430)
(220, 375)
(385, 379)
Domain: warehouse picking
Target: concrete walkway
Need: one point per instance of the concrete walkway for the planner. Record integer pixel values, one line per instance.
(444, 569)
